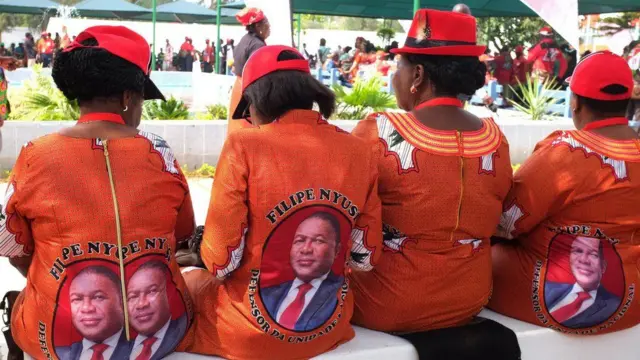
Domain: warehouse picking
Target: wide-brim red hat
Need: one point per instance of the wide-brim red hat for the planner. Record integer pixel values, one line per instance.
(435, 32)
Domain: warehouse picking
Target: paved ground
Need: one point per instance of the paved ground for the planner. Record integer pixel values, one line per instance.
(10, 279)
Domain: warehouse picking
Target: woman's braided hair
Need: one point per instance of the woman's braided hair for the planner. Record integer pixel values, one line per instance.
(88, 73)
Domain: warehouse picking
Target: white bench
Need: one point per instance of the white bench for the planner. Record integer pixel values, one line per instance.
(536, 343)
(367, 345)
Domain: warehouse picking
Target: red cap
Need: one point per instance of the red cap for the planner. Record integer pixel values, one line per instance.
(519, 49)
(599, 70)
(546, 31)
(435, 32)
(264, 62)
(123, 43)
(248, 16)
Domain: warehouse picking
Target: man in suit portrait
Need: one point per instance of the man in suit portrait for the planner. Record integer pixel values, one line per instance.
(309, 300)
(586, 302)
(95, 299)
(150, 313)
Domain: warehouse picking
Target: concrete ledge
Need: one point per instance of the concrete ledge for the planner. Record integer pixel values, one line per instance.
(196, 142)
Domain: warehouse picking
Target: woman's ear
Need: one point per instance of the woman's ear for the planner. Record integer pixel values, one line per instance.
(418, 76)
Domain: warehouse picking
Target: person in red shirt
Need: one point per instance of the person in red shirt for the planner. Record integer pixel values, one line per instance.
(207, 57)
(546, 57)
(504, 71)
(186, 55)
(519, 66)
(45, 48)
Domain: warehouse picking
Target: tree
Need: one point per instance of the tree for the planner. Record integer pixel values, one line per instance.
(613, 25)
(509, 32)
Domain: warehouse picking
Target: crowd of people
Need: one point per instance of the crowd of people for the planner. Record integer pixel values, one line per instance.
(40, 51)
(188, 58)
(411, 224)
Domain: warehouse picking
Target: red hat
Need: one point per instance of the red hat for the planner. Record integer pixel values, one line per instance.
(248, 16)
(123, 43)
(435, 32)
(546, 31)
(264, 62)
(599, 70)
(519, 49)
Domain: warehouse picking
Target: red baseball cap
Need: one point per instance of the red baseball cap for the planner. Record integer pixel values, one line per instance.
(123, 43)
(264, 62)
(599, 70)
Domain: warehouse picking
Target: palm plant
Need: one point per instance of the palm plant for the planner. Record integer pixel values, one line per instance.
(535, 97)
(39, 99)
(365, 97)
(172, 109)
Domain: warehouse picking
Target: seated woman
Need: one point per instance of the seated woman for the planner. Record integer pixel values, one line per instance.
(93, 214)
(443, 178)
(573, 215)
(294, 208)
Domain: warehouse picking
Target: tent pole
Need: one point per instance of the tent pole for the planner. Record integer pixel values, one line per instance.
(416, 6)
(299, 25)
(217, 45)
(153, 48)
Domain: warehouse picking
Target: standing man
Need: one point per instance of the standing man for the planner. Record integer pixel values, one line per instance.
(462, 9)
(45, 48)
(208, 57)
(168, 56)
(546, 57)
(30, 50)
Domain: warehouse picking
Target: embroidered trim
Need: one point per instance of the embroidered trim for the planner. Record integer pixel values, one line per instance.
(160, 146)
(402, 151)
(619, 167)
(361, 254)
(234, 256)
(627, 150)
(466, 144)
(11, 244)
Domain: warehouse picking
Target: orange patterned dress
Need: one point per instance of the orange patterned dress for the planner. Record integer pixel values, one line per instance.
(574, 217)
(442, 194)
(59, 208)
(294, 208)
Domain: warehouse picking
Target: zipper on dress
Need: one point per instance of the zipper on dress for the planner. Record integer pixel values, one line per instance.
(119, 238)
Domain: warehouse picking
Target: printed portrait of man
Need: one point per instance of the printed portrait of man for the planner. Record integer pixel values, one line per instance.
(150, 313)
(585, 302)
(95, 299)
(307, 302)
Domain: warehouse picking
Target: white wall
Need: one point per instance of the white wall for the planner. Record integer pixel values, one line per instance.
(197, 142)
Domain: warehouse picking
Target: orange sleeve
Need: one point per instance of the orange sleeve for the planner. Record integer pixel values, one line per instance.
(186, 221)
(226, 225)
(15, 231)
(367, 129)
(542, 186)
(366, 236)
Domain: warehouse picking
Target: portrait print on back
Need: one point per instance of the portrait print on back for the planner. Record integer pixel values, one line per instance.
(89, 321)
(584, 283)
(303, 268)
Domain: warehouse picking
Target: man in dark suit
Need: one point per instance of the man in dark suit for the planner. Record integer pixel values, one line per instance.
(96, 312)
(150, 313)
(308, 301)
(585, 303)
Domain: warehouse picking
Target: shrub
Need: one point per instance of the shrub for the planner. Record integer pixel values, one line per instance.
(218, 112)
(205, 170)
(172, 109)
(534, 97)
(365, 97)
(40, 100)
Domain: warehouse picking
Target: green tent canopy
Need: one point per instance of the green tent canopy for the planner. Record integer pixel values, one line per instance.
(187, 12)
(118, 9)
(38, 7)
(403, 9)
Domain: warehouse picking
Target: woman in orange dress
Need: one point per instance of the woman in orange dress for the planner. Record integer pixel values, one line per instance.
(573, 215)
(285, 222)
(258, 30)
(443, 178)
(93, 215)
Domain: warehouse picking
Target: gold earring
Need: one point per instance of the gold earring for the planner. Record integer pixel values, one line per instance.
(413, 89)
